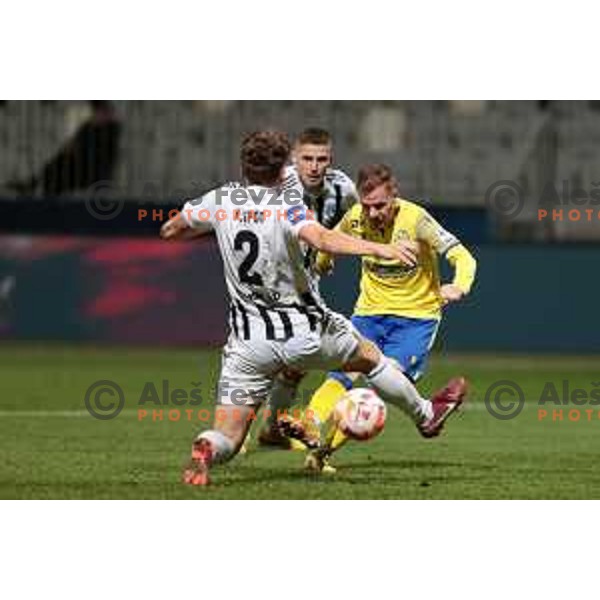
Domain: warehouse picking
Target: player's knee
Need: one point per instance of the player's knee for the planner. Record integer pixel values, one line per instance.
(365, 359)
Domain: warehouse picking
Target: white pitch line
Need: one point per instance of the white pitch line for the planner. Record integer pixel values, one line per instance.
(79, 414)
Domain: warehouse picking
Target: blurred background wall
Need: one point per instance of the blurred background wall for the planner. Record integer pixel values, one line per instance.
(78, 262)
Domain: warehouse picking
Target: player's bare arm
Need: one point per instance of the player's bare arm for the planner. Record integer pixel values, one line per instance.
(176, 229)
(335, 242)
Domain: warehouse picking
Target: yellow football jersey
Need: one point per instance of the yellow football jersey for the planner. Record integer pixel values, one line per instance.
(390, 288)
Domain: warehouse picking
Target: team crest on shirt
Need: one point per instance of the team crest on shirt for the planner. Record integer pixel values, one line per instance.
(296, 214)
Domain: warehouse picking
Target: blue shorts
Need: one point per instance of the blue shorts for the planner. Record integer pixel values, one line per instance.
(407, 341)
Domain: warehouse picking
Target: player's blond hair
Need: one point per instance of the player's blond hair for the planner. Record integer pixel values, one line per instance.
(372, 176)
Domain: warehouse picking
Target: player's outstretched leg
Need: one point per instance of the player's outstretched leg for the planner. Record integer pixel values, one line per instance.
(391, 383)
(326, 397)
(219, 444)
(322, 404)
(315, 430)
(393, 386)
(428, 415)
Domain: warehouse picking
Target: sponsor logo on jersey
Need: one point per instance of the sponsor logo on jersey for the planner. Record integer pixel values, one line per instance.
(297, 214)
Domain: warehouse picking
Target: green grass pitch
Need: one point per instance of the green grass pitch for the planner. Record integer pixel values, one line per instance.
(51, 448)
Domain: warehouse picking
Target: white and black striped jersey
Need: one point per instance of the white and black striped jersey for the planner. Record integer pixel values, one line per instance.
(337, 195)
(272, 292)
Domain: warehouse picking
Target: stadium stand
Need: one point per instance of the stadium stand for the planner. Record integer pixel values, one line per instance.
(450, 152)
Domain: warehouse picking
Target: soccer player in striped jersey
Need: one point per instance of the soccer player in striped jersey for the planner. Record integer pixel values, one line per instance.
(399, 307)
(278, 317)
(329, 193)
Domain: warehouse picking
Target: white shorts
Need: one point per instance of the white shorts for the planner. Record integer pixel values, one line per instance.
(248, 367)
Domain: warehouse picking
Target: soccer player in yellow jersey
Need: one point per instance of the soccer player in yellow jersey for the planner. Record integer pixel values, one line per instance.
(399, 307)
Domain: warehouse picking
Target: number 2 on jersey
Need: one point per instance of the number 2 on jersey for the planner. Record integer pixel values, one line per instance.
(250, 239)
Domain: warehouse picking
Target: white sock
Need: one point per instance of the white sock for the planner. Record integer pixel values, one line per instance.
(222, 446)
(283, 394)
(396, 388)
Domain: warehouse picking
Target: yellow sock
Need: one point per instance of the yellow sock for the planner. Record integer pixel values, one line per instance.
(322, 405)
(325, 399)
(339, 439)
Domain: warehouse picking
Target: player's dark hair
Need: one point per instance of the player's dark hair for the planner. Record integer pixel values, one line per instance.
(316, 136)
(263, 155)
(370, 177)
